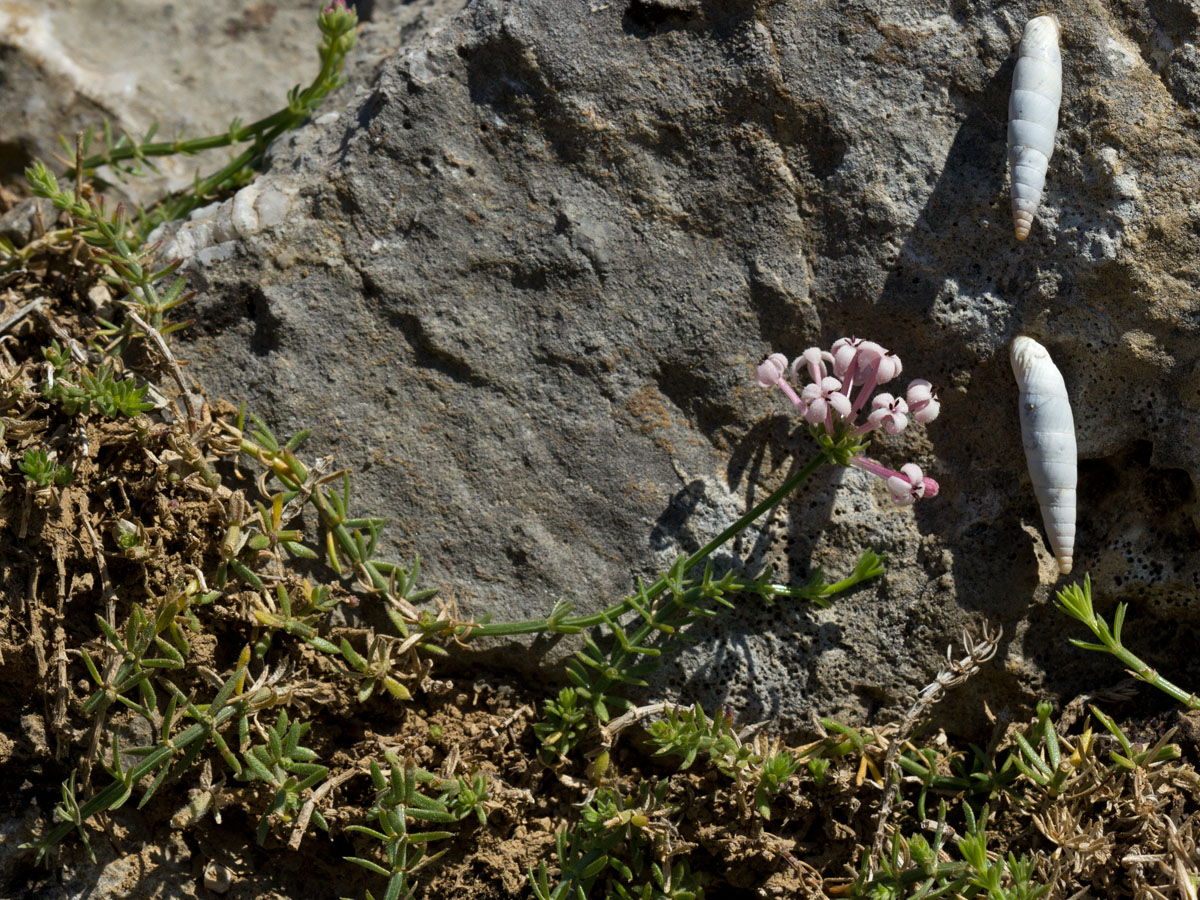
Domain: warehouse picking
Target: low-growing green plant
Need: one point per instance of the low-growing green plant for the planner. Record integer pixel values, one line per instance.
(113, 244)
(918, 867)
(564, 723)
(237, 557)
(298, 613)
(400, 803)
(288, 769)
(41, 470)
(689, 733)
(173, 752)
(78, 390)
(468, 796)
(621, 847)
(375, 669)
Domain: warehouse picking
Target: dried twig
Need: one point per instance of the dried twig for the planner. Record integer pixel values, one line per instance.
(609, 732)
(63, 691)
(310, 804)
(36, 637)
(172, 365)
(77, 352)
(110, 594)
(951, 674)
(21, 313)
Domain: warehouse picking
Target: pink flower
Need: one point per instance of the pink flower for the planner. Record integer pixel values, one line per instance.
(923, 403)
(831, 404)
(823, 399)
(910, 484)
(906, 486)
(890, 412)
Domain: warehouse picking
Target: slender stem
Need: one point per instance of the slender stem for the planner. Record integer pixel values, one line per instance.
(189, 146)
(869, 465)
(790, 393)
(179, 205)
(1076, 601)
(533, 626)
(1141, 671)
(274, 124)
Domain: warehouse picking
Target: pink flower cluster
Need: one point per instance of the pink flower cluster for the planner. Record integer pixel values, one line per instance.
(843, 380)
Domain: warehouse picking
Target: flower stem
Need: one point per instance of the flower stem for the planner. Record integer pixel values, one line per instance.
(533, 626)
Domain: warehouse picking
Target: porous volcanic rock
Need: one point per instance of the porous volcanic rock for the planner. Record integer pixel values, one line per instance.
(520, 283)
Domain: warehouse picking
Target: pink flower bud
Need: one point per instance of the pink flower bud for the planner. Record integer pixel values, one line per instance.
(770, 370)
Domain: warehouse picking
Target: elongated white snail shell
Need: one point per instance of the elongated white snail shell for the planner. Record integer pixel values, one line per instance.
(1048, 433)
(1033, 118)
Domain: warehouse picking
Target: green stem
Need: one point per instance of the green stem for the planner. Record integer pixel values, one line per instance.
(1076, 601)
(179, 205)
(534, 626)
(189, 146)
(266, 128)
(1143, 672)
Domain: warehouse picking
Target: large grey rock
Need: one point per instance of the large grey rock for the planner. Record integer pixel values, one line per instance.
(522, 282)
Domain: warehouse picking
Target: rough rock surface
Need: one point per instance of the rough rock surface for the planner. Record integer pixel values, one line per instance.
(521, 282)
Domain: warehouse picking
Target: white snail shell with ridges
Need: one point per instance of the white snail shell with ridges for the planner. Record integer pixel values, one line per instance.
(1048, 433)
(1033, 118)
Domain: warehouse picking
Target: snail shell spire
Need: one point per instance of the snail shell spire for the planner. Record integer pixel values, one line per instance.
(1033, 118)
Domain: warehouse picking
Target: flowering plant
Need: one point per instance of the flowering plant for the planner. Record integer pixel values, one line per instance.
(337, 23)
(835, 400)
